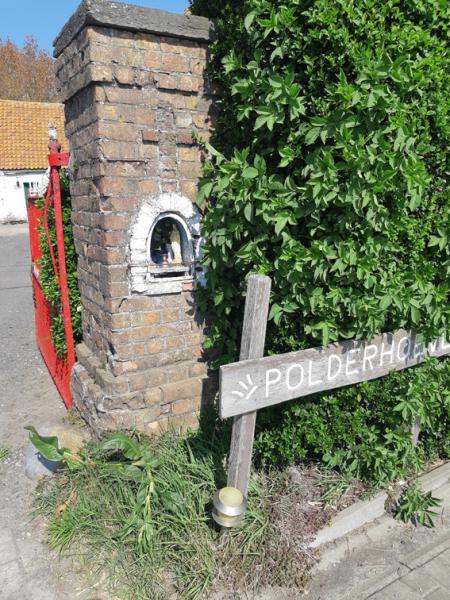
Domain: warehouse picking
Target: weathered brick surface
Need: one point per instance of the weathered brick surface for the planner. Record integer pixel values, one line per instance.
(132, 101)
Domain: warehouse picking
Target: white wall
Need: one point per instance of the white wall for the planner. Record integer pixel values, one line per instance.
(12, 195)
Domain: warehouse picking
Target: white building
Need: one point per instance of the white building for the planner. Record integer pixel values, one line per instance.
(23, 152)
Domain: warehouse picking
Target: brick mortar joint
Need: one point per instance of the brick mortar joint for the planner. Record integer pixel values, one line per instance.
(138, 68)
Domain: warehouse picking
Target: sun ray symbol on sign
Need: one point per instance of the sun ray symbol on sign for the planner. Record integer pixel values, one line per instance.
(248, 387)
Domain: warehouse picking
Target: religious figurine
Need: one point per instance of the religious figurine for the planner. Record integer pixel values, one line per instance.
(165, 247)
(175, 244)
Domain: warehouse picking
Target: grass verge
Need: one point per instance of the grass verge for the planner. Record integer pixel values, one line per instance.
(139, 511)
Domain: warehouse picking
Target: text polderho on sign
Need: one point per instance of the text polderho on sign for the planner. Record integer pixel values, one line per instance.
(250, 385)
(352, 362)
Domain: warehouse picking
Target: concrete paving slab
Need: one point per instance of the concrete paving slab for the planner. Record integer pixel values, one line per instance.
(426, 553)
(445, 557)
(355, 570)
(437, 570)
(438, 595)
(11, 579)
(396, 591)
(8, 551)
(435, 479)
(420, 581)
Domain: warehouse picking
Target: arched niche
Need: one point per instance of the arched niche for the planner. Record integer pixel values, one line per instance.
(165, 245)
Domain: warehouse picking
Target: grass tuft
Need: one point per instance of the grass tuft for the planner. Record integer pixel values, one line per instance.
(150, 530)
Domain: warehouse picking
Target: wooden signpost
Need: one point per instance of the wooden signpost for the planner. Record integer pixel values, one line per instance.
(252, 347)
(255, 382)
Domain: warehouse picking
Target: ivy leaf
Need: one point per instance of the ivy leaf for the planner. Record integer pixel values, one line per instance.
(280, 223)
(277, 53)
(385, 302)
(415, 315)
(204, 192)
(249, 173)
(248, 21)
(276, 312)
(312, 135)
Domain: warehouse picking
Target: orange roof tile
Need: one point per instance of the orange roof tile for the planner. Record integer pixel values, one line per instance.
(24, 133)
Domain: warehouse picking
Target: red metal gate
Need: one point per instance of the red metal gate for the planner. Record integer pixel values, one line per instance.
(59, 368)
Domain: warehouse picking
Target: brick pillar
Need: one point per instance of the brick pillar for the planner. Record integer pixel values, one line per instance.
(133, 84)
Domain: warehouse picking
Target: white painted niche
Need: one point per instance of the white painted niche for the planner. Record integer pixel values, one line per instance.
(165, 246)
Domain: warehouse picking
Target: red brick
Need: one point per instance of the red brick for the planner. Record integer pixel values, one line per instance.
(185, 422)
(169, 187)
(186, 406)
(190, 170)
(190, 388)
(171, 315)
(185, 138)
(189, 83)
(150, 136)
(190, 189)
(174, 63)
(188, 154)
(174, 342)
(198, 369)
(189, 285)
(167, 82)
(197, 66)
(148, 187)
(115, 238)
(152, 59)
(155, 346)
(117, 131)
(124, 75)
(114, 222)
(144, 116)
(153, 396)
(139, 319)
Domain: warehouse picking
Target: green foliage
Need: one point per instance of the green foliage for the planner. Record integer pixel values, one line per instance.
(415, 506)
(336, 184)
(48, 447)
(47, 276)
(365, 430)
(329, 173)
(140, 509)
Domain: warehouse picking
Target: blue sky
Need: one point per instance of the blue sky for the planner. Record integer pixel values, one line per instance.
(45, 18)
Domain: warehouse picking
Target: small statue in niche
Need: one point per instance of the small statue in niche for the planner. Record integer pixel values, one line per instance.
(166, 244)
(175, 244)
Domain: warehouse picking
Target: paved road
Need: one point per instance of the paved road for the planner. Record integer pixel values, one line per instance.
(28, 571)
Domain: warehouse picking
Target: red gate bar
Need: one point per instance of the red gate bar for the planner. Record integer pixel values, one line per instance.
(59, 368)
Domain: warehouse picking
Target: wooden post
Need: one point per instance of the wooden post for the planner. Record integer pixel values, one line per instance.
(252, 346)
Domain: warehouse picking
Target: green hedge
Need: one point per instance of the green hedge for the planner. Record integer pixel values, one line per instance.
(329, 173)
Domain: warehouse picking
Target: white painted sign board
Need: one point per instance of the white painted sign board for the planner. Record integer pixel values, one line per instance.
(249, 385)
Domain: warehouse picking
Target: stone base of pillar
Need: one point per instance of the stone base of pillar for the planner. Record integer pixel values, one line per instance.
(106, 402)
